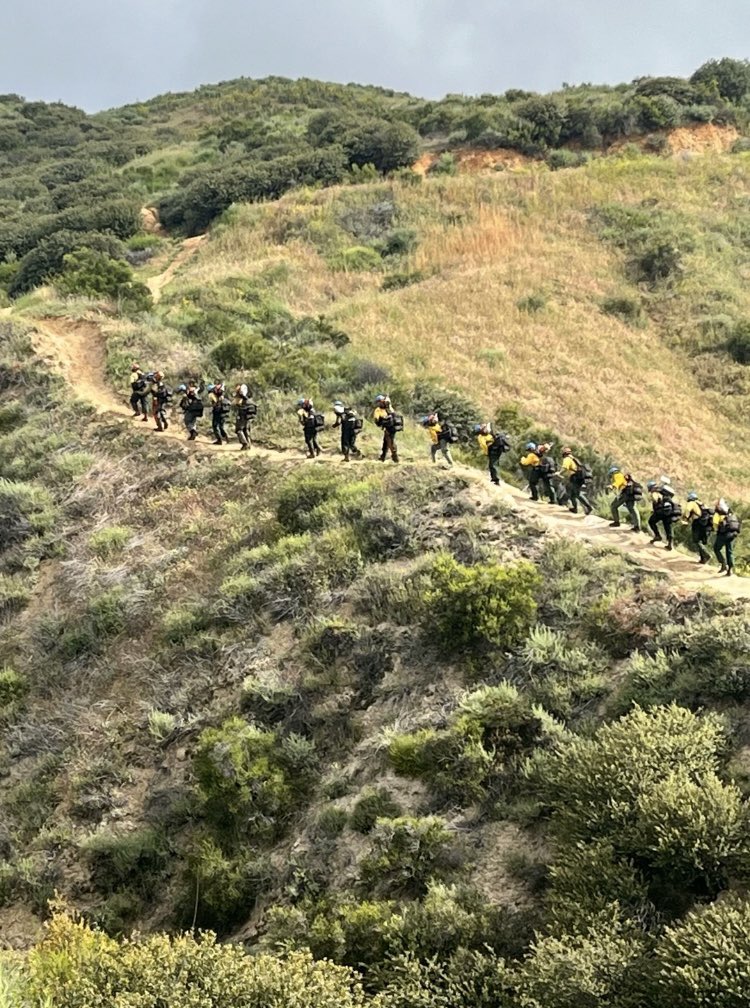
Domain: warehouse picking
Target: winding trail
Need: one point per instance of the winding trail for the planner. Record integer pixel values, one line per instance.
(156, 284)
(76, 349)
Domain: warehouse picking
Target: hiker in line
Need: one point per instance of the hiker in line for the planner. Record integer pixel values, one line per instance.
(700, 519)
(530, 465)
(138, 392)
(161, 396)
(310, 424)
(493, 446)
(441, 434)
(351, 425)
(665, 511)
(191, 405)
(546, 470)
(727, 526)
(628, 492)
(244, 412)
(576, 476)
(220, 408)
(390, 423)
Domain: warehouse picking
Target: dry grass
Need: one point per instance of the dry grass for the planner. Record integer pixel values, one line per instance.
(486, 243)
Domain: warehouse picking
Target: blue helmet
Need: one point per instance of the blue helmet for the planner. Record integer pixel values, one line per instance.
(182, 388)
(692, 496)
(338, 403)
(477, 428)
(150, 376)
(651, 485)
(300, 402)
(380, 398)
(613, 470)
(531, 446)
(210, 388)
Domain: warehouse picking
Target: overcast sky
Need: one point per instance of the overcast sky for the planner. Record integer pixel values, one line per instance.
(100, 53)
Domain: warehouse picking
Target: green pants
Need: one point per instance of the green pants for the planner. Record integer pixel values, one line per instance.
(724, 544)
(624, 500)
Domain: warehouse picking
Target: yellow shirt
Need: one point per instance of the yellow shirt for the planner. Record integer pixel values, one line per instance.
(485, 440)
(718, 519)
(569, 465)
(532, 459)
(434, 430)
(691, 511)
(618, 482)
(379, 414)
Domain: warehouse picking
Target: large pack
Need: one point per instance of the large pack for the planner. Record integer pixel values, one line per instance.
(320, 421)
(395, 423)
(500, 443)
(252, 409)
(358, 424)
(731, 526)
(449, 433)
(583, 474)
(671, 509)
(547, 465)
(705, 518)
(634, 490)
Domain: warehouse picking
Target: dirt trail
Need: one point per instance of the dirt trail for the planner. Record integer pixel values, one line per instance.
(76, 350)
(156, 284)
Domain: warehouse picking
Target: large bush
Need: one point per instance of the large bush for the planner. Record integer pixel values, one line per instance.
(481, 606)
(729, 77)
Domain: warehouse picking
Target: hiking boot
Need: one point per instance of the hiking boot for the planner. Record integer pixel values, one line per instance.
(166, 424)
(158, 430)
(244, 447)
(136, 414)
(656, 540)
(703, 560)
(730, 571)
(615, 524)
(669, 547)
(573, 510)
(144, 418)
(192, 436)
(496, 482)
(217, 441)
(588, 511)
(225, 439)
(722, 569)
(634, 529)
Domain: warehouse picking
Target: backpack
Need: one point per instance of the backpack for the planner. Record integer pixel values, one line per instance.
(547, 465)
(395, 423)
(225, 407)
(731, 526)
(705, 519)
(583, 474)
(320, 421)
(499, 444)
(358, 424)
(449, 433)
(634, 490)
(671, 509)
(252, 409)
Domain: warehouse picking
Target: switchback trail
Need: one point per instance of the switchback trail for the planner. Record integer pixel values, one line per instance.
(156, 284)
(76, 350)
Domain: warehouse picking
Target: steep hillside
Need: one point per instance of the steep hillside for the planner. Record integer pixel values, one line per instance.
(404, 737)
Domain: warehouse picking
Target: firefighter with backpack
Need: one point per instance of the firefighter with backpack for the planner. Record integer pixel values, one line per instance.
(700, 519)
(665, 511)
(727, 527)
(546, 469)
(442, 435)
(191, 405)
(493, 446)
(351, 425)
(390, 422)
(576, 476)
(161, 396)
(245, 411)
(530, 465)
(628, 492)
(220, 409)
(138, 392)
(311, 422)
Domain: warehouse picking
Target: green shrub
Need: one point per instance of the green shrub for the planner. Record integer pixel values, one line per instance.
(445, 164)
(13, 685)
(738, 342)
(406, 853)
(120, 857)
(532, 304)
(478, 607)
(627, 309)
(400, 241)
(331, 820)
(219, 890)
(397, 281)
(729, 77)
(356, 259)
(92, 274)
(14, 595)
(564, 158)
(703, 959)
(252, 780)
(110, 541)
(373, 804)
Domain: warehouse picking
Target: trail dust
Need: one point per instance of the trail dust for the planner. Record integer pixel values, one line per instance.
(189, 247)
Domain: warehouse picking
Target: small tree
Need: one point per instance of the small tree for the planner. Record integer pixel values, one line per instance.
(92, 274)
(730, 77)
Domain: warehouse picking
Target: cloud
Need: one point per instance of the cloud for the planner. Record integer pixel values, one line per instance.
(102, 53)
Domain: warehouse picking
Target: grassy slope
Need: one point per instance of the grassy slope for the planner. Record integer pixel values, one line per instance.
(487, 242)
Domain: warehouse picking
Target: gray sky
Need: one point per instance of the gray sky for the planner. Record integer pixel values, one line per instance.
(100, 53)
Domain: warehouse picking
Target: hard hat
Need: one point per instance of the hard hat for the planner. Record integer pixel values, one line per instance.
(567, 451)
(150, 376)
(478, 428)
(135, 367)
(531, 446)
(721, 506)
(338, 402)
(380, 398)
(692, 495)
(613, 470)
(182, 388)
(300, 402)
(651, 485)
(210, 388)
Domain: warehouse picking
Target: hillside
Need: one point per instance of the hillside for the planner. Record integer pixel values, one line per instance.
(403, 737)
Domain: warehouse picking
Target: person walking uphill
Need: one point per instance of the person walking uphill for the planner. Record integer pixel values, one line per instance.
(440, 437)
(390, 423)
(530, 465)
(138, 392)
(220, 409)
(310, 421)
(576, 476)
(727, 526)
(700, 519)
(493, 446)
(665, 511)
(627, 494)
(351, 425)
(161, 396)
(191, 405)
(244, 412)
